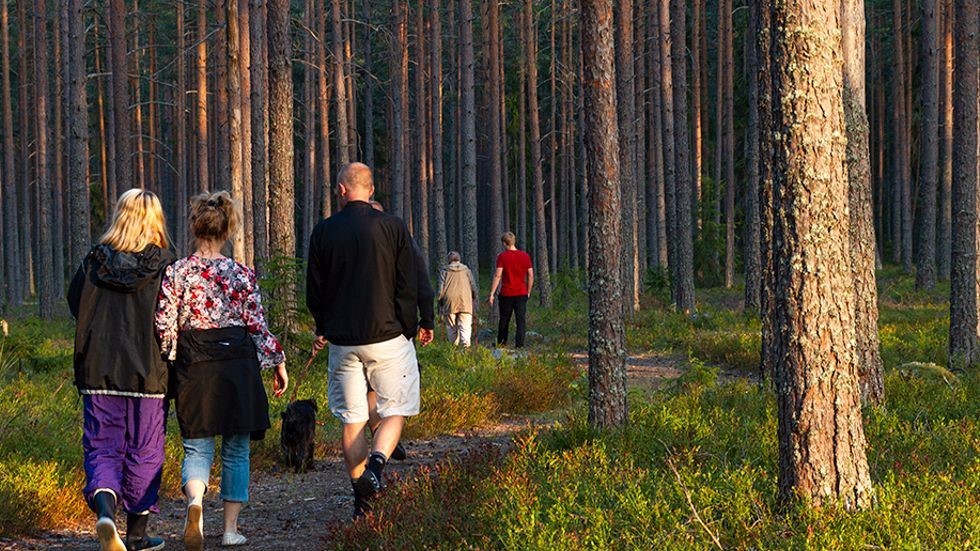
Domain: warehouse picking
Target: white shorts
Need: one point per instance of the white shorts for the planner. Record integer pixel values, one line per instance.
(390, 368)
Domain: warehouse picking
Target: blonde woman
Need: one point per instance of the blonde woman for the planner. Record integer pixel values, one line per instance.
(119, 370)
(211, 324)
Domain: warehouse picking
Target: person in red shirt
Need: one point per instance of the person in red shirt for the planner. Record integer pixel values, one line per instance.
(515, 277)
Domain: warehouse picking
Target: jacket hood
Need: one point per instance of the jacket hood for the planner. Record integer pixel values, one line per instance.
(127, 272)
(455, 267)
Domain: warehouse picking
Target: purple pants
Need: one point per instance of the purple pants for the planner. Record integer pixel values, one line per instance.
(123, 441)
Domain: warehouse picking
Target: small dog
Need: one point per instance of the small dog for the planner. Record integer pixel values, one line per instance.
(298, 434)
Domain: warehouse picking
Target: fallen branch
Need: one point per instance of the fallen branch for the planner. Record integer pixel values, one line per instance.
(690, 503)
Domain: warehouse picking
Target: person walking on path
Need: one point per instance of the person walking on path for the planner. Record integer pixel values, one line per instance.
(362, 289)
(119, 371)
(212, 325)
(515, 277)
(457, 300)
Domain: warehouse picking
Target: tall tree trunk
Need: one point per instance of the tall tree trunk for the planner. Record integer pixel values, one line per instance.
(667, 119)
(860, 200)
(468, 135)
(925, 275)
(552, 200)
(439, 211)
(421, 135)
(59, 32)
(78, 133)
(903, 139)
(136, 85)
(26, 214)
(729, 145)
(963, 280)
(607, 335)
(522, 232)
(222, 146)
(752, 237)
(282, 236)
(308, 209)
(685, 245)
(340, 87)
(493, 98)
(107, 169)
(821, 439)
(656, 206)
(180, 145)
(400, 205)
(626, 116)
(760, 12)
(202, 96)
(234, 93)
(116, 18)
(323, 102)
(946, 143)
(245, 61)
(46, 276)
(542, 272)
(368, 89)
(698, 15)
(11, 229)
(258, 71)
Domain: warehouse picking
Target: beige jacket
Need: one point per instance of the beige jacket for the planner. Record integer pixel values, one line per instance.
(457, 290)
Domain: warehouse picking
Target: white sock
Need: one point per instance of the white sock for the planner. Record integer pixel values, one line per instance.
(196, 500)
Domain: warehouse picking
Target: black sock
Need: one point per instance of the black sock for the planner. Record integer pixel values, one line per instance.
(376, 464)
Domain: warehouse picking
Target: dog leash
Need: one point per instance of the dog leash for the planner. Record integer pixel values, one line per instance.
(302, 376)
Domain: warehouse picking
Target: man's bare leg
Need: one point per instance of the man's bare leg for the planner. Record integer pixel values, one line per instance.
(387, 434)
(355, 448)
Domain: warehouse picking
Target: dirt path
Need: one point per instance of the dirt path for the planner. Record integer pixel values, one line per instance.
(294, 511)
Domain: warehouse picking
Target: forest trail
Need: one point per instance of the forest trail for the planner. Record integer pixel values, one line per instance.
(290, 511)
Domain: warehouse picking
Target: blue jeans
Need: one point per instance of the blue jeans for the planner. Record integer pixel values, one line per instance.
(199, 454)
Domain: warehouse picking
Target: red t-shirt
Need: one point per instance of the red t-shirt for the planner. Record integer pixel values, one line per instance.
(515, 264)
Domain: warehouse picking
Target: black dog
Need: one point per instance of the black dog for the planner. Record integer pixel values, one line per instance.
(298, 434)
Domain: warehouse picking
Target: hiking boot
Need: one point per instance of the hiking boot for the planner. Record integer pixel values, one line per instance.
(399, 452)
(365, 488)
(136, 538)
(104, 505)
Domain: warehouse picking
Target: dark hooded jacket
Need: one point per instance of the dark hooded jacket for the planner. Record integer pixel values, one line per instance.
(113, 297)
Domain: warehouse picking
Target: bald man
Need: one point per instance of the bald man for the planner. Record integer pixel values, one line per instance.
(361, 287)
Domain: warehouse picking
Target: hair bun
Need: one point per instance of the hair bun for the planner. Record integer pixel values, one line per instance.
(214, 203)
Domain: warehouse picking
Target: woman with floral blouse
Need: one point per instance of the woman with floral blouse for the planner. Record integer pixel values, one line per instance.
(212, 326)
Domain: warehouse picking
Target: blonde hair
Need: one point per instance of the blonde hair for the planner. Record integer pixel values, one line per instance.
(508, 238)
(137, 222)
(214, 216)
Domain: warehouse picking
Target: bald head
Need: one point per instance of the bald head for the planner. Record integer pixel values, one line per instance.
(355, 183)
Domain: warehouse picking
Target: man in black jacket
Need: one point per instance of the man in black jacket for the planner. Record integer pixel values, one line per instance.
(362, 291)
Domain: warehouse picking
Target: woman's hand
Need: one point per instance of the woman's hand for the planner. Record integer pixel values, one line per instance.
(280, 381)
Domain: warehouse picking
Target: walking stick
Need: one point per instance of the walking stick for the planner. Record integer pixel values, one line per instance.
(306, 370)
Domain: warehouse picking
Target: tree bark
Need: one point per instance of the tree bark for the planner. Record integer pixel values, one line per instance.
(282, 236)
(902, 138)
(78, 134)
(468, 135)
(26, 213)
(821, 439)
(439, 211)
(860, 201)
(925, 275)
(400, 204)
(234, 92)
(116, 18)
(202, 96)
(760, 12)
(656, 207)
(541, 270)
(368, 89)
(323, 102)
(668, 119)
(258, 72)
(626, 115)
(698, 15)
(421, 135)
(684, 299)
(963, 280)
(729, 144)
(222, 146)
(180, 142)
(607, 336)
(107, 169)
(46, 276)
(496, 168)
(11, 229)
(946, 143)
(340, 87)
(245, 100)
(752, 238)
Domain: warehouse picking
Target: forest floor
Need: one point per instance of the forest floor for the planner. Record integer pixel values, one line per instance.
(290, 511)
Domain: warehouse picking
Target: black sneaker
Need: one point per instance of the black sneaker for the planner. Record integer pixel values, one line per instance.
(146, 543)
(399, 452)
(365, 488)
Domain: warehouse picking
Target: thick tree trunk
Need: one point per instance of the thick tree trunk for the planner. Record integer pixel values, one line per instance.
(946, 143)
(78, 134)
(11, 229)
(234, 91)
(282, 236)
(46, 276)
(340, 86)
(116, 17)
(925, 275)
(468, 135)
(860, 201)
(439, 204)
(258, 72)
(626, 115)
(202, 97)
(684, 299)
(963, 280)
(607, 336)
(821, 437)
(541, 271)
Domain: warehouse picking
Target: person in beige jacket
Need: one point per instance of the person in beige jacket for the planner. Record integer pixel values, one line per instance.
(457, 300)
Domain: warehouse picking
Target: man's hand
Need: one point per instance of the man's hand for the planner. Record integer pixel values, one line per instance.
(425, 336)
(491, 300)
(318, 343)
(280, 381)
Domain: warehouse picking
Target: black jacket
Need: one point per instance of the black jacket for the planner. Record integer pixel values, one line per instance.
(114, 297)
(361, 278)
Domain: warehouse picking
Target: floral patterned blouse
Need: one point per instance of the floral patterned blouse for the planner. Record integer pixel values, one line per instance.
(202, 293)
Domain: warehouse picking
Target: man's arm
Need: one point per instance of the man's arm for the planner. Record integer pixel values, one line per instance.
(425, 292)
(497, 276)
(314, 281)
(530, 280)
(406, 280)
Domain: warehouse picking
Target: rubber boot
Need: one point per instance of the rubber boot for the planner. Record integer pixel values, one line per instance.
(104, 505)
(136, 538)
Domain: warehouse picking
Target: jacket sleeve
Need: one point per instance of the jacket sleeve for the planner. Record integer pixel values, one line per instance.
(168, 306)
(75, 290)
(476, 292)
(269, 350)
(314, 282)
(406, 281)
(425, 292)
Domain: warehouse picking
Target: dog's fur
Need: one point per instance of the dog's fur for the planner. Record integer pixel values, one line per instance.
(298, 434)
